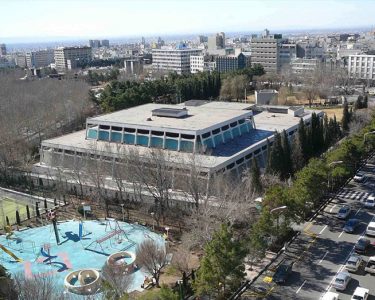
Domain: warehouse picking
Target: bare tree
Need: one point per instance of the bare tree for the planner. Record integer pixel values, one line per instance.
(152, 257)
(116, 284)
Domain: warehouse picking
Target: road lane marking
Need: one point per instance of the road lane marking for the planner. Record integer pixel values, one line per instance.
(308, 226)
(332, 208)
(300, 287)
(323, 257)
(321, 231)
(358, 211)
(341, 233)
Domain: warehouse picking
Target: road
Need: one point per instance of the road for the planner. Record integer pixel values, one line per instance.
(323, 248)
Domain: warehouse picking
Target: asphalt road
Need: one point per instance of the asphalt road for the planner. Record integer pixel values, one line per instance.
(323, 248)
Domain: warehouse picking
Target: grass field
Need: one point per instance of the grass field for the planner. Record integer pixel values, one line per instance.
(8, 208)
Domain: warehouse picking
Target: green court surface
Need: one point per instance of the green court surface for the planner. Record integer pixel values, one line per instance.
(8, 207)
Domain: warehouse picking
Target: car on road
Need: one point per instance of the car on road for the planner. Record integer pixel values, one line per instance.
(360, 293)
(359, 177)
(353, 263)
(362, 246)
(282, 272)
(344, 212)
(351, 225)
(370, 230)
(369, 202)
(370, 266)
(341, 281)
(330, 296)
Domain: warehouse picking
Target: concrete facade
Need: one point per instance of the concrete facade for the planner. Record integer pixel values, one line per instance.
(361, 66)
(39, 59)
(68, 57)
(265, 51)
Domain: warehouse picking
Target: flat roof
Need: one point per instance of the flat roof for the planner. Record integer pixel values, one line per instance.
(266, 124)
(199, 119)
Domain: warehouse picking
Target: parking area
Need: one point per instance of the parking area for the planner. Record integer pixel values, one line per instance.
(322, 249)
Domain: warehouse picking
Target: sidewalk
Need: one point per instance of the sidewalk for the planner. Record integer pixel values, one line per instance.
(253, 270)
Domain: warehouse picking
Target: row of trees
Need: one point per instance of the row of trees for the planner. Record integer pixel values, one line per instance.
(95, 78)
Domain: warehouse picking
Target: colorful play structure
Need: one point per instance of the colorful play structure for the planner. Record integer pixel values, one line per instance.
(83, 282)
(115, 235)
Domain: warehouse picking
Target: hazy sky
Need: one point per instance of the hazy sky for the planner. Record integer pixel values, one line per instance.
(115, 18)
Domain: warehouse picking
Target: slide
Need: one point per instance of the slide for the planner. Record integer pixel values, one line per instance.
(10, 253)
(49, 257)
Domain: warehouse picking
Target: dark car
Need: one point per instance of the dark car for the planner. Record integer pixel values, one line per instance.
(362, 246)
(351, 225)
(282, 272)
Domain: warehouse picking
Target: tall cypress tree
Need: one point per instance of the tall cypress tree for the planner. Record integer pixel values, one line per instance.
(302, 137)
(256, 184)
(276, 163)
(287, 170)
(345, 117)
(298, 158)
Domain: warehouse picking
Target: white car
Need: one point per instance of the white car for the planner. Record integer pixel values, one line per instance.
(360, 293)
(330, 296)
(341, 281)
(370, 230)
(353, 263)
(359, 177)
(369, 202)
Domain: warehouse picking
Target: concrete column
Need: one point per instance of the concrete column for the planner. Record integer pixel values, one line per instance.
(110, 133)
(135, 136)
(179, 142)
(97, 133)
(195, 144)
(149, 139)
(164, 137)
(122, 136)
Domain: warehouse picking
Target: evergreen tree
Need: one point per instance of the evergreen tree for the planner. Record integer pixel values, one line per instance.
(276, 163)
(298, 158)
(256, 184)
(302, 137)
(287, 161)
(222, 267)
(345, 117)
(365, 101)
(327, 132)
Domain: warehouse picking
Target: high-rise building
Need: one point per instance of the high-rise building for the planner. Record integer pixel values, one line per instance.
(39, 59)
(309, 50)
(217, 41)
(71, 57)
(94, 43)
(173, 60)
(20, 60)
(361, 66)
(227, 63)
(105, 43)
(201, 63)
(287, 52)
(202, 39)
(265, 51)
(3, 49)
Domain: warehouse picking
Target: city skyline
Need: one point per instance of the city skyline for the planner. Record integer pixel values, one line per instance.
(38, 21)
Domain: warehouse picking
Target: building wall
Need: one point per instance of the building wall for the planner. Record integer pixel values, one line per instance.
(230, 63)
(174, 60)
(39, 59)
(66, 57)
(361, 66)
(265, 51)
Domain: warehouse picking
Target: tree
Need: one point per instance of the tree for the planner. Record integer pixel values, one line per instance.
(287, 161)
(345, 117)
(302, 137)
(276, 160)
(7, 288)
(255, 177)
(115, 284)
(164, 293)
(222, 266)
(298, 158)
(152, 257)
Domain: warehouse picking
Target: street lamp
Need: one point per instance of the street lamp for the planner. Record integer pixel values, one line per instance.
(122, 211)
(153, 221)
(84, 212)
(180, 285)
(167, 229)
(278, 209)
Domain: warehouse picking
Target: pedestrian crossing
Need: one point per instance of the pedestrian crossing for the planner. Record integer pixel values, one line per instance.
(353, 195)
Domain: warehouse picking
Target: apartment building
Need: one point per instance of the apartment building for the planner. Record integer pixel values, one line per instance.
(265, 50)
(361, 66)
(67, 58)
(39, 59)
(173, 60)
(201, 63)
(304, 65)
(229, 63)
(216, 42)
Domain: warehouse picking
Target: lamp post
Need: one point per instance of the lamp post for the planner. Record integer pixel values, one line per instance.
(181, 293)
(122, 211)
(167, 230)
(153, 221)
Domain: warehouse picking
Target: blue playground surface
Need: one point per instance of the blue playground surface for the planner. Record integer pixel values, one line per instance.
(40, 255)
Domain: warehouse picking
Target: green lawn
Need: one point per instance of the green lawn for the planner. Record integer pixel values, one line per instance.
(8, 208)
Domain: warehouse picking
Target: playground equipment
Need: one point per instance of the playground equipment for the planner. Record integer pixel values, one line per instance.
(81, 231)
(16, 243)
(122, 262)
(83, 282)
(45, 252)
(10, 253)
(115, 236)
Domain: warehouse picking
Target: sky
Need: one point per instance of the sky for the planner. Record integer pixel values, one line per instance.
(51, 19)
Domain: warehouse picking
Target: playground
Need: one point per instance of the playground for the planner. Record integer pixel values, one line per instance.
(82, 246)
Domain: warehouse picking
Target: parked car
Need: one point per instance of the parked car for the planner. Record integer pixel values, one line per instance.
(362, 246)
(330, 296)
(341, 281)
(359, 177)
(282, 272)
(351, 225)
(369, 202)
(353, 263)
(360, 293)
(344, 212)
(370, 230)
(370, 266)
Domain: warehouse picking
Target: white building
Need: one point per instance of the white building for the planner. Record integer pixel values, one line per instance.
(173, 60)
(361, 66)
(199, 63)
(69, 57)
(39, 59)
(304, 65)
